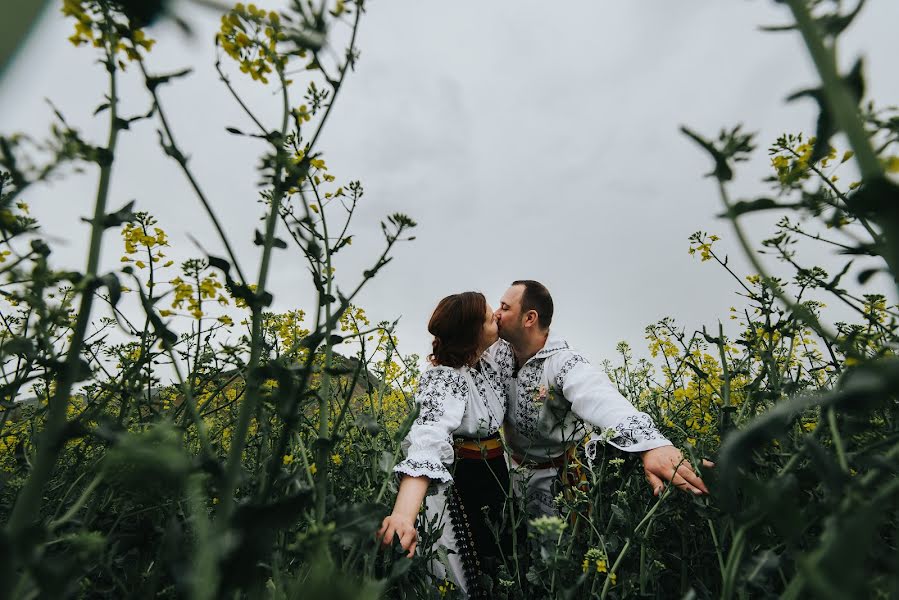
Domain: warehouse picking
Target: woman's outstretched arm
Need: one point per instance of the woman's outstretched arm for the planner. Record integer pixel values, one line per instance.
(401, 521)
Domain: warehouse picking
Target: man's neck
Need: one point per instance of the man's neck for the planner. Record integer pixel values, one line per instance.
(529, 347)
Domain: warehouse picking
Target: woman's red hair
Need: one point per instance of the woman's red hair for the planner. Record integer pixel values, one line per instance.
(456, 325)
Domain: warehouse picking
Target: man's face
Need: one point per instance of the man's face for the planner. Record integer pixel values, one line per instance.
(508, 313)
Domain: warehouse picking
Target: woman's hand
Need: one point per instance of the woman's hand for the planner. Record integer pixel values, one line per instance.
(402, 526)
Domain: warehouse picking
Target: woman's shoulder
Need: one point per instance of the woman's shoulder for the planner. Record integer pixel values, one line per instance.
(450, 379)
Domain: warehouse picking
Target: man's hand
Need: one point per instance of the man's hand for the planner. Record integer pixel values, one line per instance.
(402, 526)
(666, 463)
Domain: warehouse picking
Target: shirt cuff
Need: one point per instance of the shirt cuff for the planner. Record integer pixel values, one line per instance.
(425, 467)
(636, 433)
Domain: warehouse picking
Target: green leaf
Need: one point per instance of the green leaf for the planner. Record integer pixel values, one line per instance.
(156, 81)
(123, 215)
(111, 282)
(826, 127)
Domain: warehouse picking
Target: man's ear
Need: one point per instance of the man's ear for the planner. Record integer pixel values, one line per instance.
(531, 318)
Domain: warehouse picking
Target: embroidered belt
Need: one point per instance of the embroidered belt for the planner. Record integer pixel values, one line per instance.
(485, 448)
(556, 462)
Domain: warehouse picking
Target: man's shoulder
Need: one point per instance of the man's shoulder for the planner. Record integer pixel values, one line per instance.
(561, 359)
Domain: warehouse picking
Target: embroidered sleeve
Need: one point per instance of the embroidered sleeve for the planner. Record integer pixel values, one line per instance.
(442, 394)
(594, 399)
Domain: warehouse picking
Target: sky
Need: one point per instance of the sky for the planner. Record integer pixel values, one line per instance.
(529, 140)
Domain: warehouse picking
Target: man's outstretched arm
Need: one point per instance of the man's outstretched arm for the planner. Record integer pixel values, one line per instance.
(597, 401)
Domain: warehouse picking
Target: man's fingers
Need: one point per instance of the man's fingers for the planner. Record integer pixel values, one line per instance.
(688, 481)
(690, 475)
(655, 483)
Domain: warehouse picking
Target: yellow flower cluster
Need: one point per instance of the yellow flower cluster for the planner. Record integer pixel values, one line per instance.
(445, 587)
(206, 288)
(352, 318)
(250, 36)
(597, 557)
(139, 239)
(97, 25)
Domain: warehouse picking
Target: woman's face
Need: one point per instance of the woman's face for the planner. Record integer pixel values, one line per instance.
(489, 332)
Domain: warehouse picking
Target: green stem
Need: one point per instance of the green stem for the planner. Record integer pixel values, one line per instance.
(837, 439)
(78, 503)
(28, 503)
(845, 112)
(734, 558)
(248, 407)
(324, 399)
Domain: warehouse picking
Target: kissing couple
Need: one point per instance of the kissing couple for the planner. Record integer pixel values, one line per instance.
(505, 369)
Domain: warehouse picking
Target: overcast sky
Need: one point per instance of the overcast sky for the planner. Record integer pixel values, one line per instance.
(528, 140)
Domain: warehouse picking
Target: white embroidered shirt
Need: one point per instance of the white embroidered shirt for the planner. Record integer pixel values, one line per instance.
(454, 402)
(555, 393)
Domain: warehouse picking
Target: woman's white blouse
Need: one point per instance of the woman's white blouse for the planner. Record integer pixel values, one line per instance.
(454, 402)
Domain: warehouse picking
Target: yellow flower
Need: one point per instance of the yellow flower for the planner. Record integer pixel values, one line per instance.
(287, 459)
(312, 469)
(336, 459)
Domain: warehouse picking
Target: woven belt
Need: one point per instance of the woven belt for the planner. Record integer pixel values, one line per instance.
(556, 462)
(487, 448)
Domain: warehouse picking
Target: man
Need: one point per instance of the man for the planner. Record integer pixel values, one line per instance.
(553, 391)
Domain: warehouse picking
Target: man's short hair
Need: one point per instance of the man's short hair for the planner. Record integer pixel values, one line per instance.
(536, 297)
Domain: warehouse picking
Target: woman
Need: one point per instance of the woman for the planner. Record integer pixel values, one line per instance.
(455, 443)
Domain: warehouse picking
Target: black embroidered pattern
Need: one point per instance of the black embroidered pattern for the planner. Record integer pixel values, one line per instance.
(488, 383)
(505, 360)
(548, 349)
(471, 564)
(433, 388)
(635, 429)
(428, 468)
(529, 405)
(566, 367)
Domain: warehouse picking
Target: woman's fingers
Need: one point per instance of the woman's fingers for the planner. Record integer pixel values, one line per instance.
(407, 534)
(387, 538)
(408, 540)
(387, 531)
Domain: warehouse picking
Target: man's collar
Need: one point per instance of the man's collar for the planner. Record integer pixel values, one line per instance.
(553, 344)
